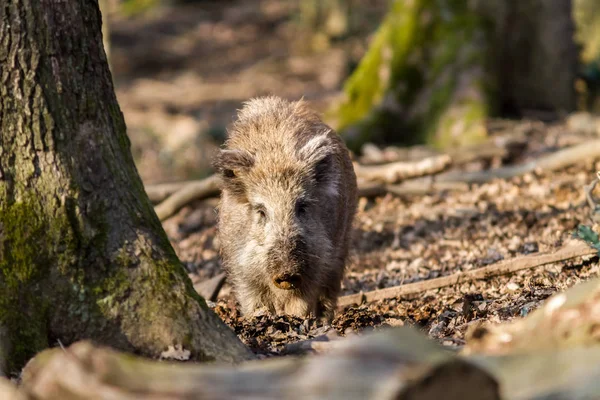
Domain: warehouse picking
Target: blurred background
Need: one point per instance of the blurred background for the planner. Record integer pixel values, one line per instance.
(404, 72)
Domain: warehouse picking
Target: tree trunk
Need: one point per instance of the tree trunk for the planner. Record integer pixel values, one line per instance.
(537, 55)
(437, 69)
(82, 253)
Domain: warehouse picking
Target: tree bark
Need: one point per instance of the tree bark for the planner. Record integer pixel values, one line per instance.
(82, 253)
(536, 53)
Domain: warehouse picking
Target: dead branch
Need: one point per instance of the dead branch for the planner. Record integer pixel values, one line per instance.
(568, 251)
(398, 171)
(395, 364)
(8, 391)
(495, 147)
(551, 162)
(409, 187)
(196, 190)
(160, 191)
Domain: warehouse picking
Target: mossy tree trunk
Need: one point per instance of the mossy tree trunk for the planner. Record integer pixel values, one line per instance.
(82, 253)
(437, 69)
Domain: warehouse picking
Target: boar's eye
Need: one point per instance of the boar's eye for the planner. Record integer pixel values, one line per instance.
(260, 210)
(301, 208)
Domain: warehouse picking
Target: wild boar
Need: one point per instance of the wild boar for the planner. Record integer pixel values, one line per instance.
(288, 200)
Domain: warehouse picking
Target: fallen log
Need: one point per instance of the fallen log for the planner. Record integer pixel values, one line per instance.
(545, 374)
(8, 391)
(572, 249)
(395, 364)
(567, 319)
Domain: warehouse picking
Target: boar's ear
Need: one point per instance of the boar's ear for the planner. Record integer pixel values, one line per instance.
(318, 153)
(229, 163)
(316, 148)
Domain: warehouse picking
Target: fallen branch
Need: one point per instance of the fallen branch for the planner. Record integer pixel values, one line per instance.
(409, 187)
(551, 162)
(398, 363)
(495, 147)
(8, 391)
(160, 191)
(399, 171)
(571, 250)
(193, 191)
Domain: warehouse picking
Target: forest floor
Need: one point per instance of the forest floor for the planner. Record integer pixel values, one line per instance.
(181, 74)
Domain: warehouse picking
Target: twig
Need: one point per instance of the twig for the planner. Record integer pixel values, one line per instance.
(571, 250)
(194, 191)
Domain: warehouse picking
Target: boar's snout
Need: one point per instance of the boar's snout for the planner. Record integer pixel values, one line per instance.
(290, 263)
(287, 281)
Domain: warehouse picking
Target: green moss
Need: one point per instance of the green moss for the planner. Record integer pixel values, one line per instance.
(411, 84)
(20, 223)
(28, 245)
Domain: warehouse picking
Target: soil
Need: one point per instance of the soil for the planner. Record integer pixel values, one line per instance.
(180, 76)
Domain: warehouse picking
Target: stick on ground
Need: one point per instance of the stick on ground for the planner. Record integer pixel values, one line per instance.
(568, 251)
(194, 191)
(400, 170)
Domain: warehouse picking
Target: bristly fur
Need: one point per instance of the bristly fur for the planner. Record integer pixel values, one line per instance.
(287, 205)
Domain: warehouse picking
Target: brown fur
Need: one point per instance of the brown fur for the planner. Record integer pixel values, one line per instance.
(285, 216)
